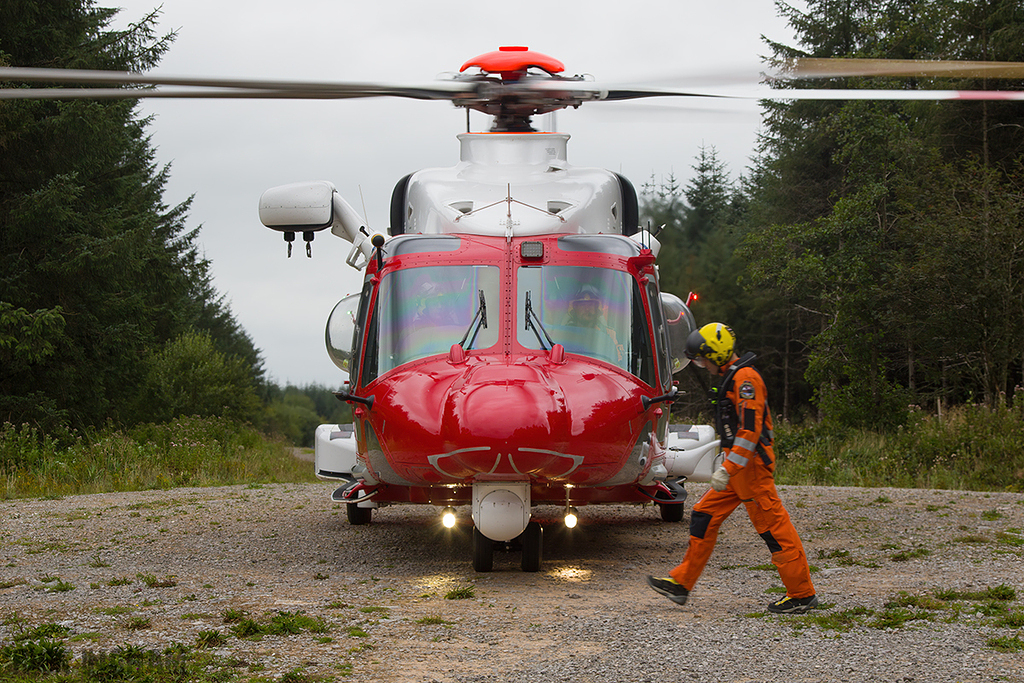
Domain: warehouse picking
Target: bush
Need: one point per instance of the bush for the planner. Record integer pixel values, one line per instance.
(189, 376)
(293, 413)
(294, 419)
(858, 406)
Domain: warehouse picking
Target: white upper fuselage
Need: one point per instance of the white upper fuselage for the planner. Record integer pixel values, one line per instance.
(513, 184)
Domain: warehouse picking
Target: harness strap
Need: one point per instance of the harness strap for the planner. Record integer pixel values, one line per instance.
(725, 423)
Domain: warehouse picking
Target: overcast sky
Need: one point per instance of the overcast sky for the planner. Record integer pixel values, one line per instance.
(227, 153)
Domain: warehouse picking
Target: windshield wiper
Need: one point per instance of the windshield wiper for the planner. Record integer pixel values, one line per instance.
(479, 321)
(532, 322)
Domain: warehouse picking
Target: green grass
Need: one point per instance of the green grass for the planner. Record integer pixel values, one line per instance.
(39, 655)
(839, 621)
(247, 628)
(138, 623)
(947, 605)
(844, 558)
(913, 553)
(183, 452)
(34, 657)
(376, 609)
(1001, 592)
(210, 638)
(232, 615)
(152, 582)
(43, 632)
(463, 593)
(1006, 643)
(972, 447)
(277, 624)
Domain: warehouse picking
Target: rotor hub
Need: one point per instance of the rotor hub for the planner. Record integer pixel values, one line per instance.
(514, 84)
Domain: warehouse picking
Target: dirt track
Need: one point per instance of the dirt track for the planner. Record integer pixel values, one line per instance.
(587, 615)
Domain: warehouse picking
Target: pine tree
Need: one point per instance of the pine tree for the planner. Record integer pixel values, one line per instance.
(96, 273)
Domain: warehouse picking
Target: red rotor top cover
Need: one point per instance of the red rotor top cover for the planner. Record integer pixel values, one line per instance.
(513, 60)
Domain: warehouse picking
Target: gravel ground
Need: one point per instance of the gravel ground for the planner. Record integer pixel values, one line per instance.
(84, 562)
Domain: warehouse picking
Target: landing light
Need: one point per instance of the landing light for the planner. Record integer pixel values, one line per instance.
(571, 520)
(531, 250)
(448, 517)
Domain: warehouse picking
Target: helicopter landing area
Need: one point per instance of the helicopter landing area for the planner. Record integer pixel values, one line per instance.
(913, 584)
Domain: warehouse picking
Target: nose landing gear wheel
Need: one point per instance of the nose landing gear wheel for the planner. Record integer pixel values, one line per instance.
(483, 552)
(533, 544)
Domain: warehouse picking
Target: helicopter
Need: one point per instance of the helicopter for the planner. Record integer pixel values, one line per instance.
(510, 346)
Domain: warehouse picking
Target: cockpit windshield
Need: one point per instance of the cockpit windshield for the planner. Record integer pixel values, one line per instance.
(596, 312)
(421, 312)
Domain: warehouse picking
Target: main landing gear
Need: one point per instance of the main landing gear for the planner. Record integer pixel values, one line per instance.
(358, 515)
(671, 512)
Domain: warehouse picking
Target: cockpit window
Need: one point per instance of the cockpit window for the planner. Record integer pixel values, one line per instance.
(421, 312)
(596, 312)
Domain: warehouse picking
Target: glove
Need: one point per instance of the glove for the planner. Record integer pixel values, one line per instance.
(720, 479)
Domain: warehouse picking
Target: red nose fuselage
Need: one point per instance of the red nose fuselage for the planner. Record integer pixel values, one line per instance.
(491, 420)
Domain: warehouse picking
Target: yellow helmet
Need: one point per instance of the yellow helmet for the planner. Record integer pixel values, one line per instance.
(714, 341)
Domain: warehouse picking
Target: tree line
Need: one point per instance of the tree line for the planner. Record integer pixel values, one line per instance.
(108, 313)
(873, 252)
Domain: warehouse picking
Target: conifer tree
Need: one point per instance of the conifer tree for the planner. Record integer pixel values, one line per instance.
(96, 273)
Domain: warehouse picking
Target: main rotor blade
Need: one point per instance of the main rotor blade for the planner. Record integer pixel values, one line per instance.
(838, 67)
(612, 93)
(442, 90)
(202, 93)
(616, 95)
(591, 90)
(544, 93)
(894, 95)
(619, 95)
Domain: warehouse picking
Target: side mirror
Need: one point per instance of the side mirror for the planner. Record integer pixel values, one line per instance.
(313, 206)
(680, 323)
(299, 207)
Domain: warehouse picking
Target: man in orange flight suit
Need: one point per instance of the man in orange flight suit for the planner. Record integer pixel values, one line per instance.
(744, 425)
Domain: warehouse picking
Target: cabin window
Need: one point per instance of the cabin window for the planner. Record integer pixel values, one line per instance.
(595, 312)
(661, 339)
(599, 244)
(421, 312)
(404, 245)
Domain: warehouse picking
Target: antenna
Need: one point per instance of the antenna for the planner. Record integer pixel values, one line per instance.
(362, 200)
